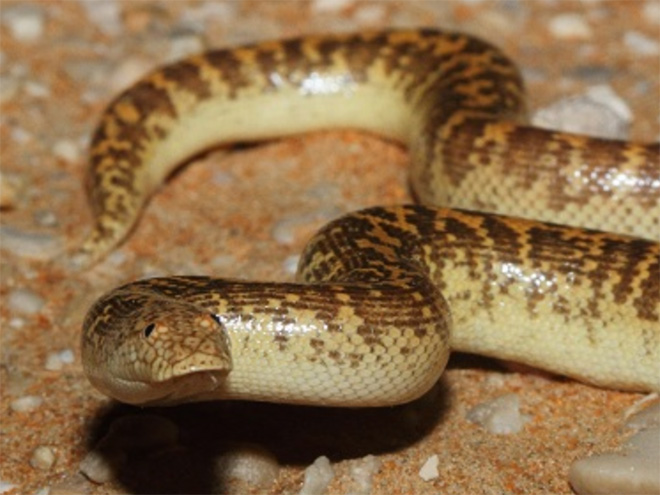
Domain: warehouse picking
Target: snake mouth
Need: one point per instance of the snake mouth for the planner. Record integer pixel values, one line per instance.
(194, 386)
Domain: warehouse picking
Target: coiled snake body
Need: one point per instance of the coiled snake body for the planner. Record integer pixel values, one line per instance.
(382, 294)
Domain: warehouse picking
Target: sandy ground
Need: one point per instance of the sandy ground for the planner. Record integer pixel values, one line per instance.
(247, 212)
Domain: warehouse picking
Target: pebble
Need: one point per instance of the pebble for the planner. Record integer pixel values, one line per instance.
(8, 88)
(6, 486)
(43, 458)
(429, 470)
(105, 15)
(290, 264)
(144, 432)
(25, 301)
(599, 112)
(37, 89)
(25, 22)
(500, 416)
(67, 150)
(317, 477)
(363, 472)
(29, 244)
(250, 464)
(641, 44)
(8, 192)
(633, 469)
(331, 5)
(129, 71)
(570, 26)
(26, 403)
(185, 44)
(45, 218)
(57, 360)
(651, 11)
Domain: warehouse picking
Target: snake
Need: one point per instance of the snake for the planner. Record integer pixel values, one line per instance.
(526, 244)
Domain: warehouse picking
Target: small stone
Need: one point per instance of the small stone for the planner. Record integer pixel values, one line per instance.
(429, 470)
(98, 466)
(43, 458)
(570, 26)
(185, 44)
(8, 88)
(291, 264)
(25, 301)
(56, 361)
(363, 472)
(8, 192)
(129, 71)
(67, 150)
(651, 11)
(641, 44)
(45, 218)
(26, 403)
(105, 15)
(25, 22)
(37, 89)
(500, 416)
(331, 5)
(143, 432)
(317, 477)
(250, 464)
(646, 418)
(6, 486)
(29, 244)
(636, 469)
(600, 112)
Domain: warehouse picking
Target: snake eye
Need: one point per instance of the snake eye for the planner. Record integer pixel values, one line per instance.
(216, 318)
(149, 329)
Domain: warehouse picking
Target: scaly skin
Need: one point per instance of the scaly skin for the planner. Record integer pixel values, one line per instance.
(383, 294)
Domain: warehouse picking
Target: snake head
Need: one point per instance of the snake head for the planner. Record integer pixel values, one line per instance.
(151, 350)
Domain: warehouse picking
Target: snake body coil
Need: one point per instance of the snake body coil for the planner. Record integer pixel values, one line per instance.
(384, 293)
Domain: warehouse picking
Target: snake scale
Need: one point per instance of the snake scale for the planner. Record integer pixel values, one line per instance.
(382, 294)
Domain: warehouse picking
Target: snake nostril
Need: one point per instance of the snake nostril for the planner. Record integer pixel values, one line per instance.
(149, 329)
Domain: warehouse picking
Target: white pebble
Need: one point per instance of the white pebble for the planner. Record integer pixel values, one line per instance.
(250, 464)
(6, 486)
(636, 469)
(37, 89)
(291, 264)
(500, 416)
(317, 477)
(98, 466)
(641, 44)
(429, 470)
(56, 360)
(144, 433)
(129, 71)
(26, 403)
(67, 150)
(331, 5)
(651, 11)
(43, 458)
(8, 88)
(45, 218)
(29, 244)
(25, 301)
(8, 191)
(600, 112)
(646, 418)
(25, 22)
(363, 473)
(183, 45)
(105, 15)
(570, 26)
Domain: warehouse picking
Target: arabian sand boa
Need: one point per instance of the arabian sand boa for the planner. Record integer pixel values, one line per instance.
(382, 294)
